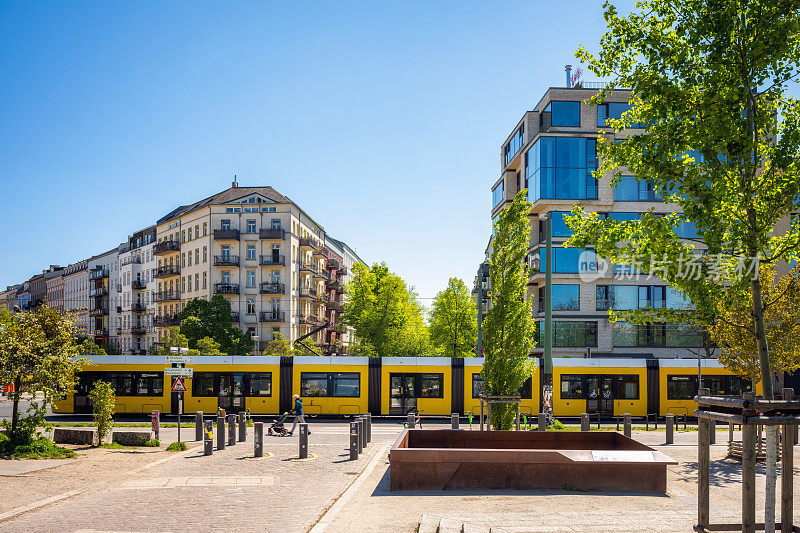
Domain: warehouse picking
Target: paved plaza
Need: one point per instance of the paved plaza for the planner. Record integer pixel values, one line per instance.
(146, 489)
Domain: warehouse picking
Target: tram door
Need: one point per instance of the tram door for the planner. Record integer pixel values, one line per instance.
(600, 395)
(402, 393)
(231, 392)
(81, 402)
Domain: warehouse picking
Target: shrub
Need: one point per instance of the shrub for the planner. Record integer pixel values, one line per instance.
(103, 400)
(177, 447)
(152, 443)
(37, 448)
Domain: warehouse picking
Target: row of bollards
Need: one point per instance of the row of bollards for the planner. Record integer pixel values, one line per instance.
(206, 434)
(360, 434)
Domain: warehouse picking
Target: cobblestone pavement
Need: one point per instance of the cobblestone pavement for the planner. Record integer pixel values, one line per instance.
(374, 508)
(229, 491)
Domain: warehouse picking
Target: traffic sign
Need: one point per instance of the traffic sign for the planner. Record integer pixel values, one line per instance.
(177, 359)
(178, 385)
(182, 372)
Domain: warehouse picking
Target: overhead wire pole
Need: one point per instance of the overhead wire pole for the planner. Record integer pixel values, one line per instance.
(547, 370)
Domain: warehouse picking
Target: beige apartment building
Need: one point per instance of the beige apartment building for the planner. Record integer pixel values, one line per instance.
(135, 289)
(261, 252)
(76, 296)
(551, 152)
(55, 292)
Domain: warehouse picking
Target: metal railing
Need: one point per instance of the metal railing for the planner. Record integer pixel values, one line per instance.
(138, 284)
(226, 260)
(272, 288)
(167, 270)
(272, 233)
(226, 288)
(164, 247)
(273, 260)
(272, 316)
(168, 296)
(166, 320)
(226, 234)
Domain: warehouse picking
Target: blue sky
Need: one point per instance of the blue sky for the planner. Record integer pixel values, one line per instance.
(383, 121)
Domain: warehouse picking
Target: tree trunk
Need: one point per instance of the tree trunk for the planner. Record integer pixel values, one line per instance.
(15, 407)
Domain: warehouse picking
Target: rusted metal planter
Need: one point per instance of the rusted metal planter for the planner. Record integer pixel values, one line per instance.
(457, 459)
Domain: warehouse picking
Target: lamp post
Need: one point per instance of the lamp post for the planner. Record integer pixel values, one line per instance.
(179, 350)
(547, 370)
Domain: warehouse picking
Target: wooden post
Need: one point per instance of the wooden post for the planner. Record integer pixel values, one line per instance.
(787, 471)
(488, 415)
(748, 473)
(517, 417)
(703, 467)
(788, 394)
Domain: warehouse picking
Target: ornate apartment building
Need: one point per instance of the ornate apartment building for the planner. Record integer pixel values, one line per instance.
(135, 290)
(76, 295)
(260, 251)
(552, 153)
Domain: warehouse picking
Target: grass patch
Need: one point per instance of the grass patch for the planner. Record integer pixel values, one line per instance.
(177, 447)
(572, 488)
(112, 446)
(120, 424)
(152, 443)
(249, 423)
(38, 448)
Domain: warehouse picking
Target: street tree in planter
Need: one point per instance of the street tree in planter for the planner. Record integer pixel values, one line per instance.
(453, 321)
(38, 355)
(103, 407)
(720, 138)
(508, 329)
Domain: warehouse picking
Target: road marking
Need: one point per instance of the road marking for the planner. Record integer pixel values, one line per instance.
(164, 460)
(326, 519)
(35, 505)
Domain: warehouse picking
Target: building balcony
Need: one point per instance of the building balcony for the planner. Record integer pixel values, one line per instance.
(321, 251)
(308, 320)
(168, 296)
(138, 307)
(167, 271)
(166, 247)
(138, 330)
(98, 292)
(309, 268)
(335, 286)
(98, 273)
(226, 260)
(226, 234)
(322, 275)
(100, 332)
(307, 293)
(335, 305)
(272, 288)
(98, 311)
(138, 284)
(273, 233)
(166, 321)
(333, 264)
(341, 271)
(273, 260)
(308, 243)
(226, 288)
(272, 317)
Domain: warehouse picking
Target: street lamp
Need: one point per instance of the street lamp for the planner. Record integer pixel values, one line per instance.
(547, 370)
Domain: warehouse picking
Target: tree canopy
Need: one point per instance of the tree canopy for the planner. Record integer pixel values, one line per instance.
(453, 321)
(384, 314)
(212, 318)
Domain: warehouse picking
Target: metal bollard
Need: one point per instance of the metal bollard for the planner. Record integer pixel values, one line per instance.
(542, 420)
(670, 429)
(454, 421)
(353, 441)
(364, 440)
(208, 438)
(258, 439)
(360, 423)
(627, 425)
(585, 422)
(412, 419)
(303, 441)
(713, 435)
(242, 427)
(231, 430)
(220, 432)
(198, 425)
(368, 419)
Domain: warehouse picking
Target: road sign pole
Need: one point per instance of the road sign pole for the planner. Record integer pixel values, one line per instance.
(180, 408)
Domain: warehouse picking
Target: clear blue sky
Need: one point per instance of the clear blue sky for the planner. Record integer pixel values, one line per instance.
(382, 120)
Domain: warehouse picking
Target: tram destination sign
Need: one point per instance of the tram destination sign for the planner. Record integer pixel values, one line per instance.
(180, 372)
(177, 359)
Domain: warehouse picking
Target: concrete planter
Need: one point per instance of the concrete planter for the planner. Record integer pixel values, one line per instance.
(74, 436)
(131, 438)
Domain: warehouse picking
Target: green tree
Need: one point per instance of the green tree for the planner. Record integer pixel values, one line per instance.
(37, 355)
(453, 327)
(721, 140)
(212, 318)
(175, 339)
(208, 346)
(384, 313)
(508, 329)
(103, 407)
(89, 347)
(279, 346)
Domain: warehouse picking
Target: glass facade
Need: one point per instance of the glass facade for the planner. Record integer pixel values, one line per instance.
(569, 260)
(626, 297)
(498, 194)
(564, 114)
(629, 189)
(656, 336)
(514, 145)
(559, 228)
(561, 168)
(564, 298)
(613, 110)
(567, 333)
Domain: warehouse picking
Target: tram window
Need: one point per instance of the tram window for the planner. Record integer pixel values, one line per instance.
(477, 385)
(681, 387)
(346, 384)
(203, 384)
(150, 384)
(431, 386)
(236, 384)
(122, 382)
(526, 391)
(261, 384)
(313, 384)
(628, 387)
(571, 387)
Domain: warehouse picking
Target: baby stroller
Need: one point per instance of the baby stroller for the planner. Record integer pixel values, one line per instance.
(277, 427)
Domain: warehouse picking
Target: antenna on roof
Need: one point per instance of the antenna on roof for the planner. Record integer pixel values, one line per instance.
(234, 184)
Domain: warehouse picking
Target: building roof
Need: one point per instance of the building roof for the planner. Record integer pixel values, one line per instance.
(225, 197)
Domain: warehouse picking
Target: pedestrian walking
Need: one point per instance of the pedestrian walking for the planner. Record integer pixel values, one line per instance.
(298, 414)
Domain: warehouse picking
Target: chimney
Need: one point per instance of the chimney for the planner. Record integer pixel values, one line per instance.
(568, 69)
(234, 184)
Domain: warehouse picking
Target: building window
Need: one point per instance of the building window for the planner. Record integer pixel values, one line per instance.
(205, 254)
(629, 189)
(251, 226)
(205, 229)
(514, 145)
(251, 278)
(613, 110)
(197, 256)
(205, 280)
(225, 224)
(330, 384)
(569, 260)
(183, 260)
(189, 259)
(190, 284)
(190, 234)
(226, 252)
(251, 306)
(561, 168)
(226, 277)
(498, 194)
(564, 298)
(197, 282)
(251, 252)
(558, 226)
(564, 114)
(183, 284)
(567, 333)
